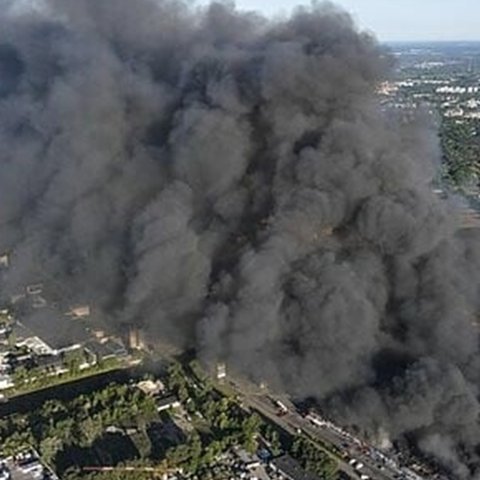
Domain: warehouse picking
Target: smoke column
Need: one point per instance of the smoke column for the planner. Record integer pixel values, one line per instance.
(230, 183)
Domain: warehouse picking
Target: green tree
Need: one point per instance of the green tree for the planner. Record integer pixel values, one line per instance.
(49, 447)
(273, 438)
(313, 459)
(461, 149)
(90, 429)
(250, 430)
(18, 441)
(20, 375)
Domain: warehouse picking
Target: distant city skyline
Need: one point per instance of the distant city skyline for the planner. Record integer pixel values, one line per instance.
(397, 20)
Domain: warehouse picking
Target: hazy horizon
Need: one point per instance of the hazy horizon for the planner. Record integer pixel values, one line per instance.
(392, 21)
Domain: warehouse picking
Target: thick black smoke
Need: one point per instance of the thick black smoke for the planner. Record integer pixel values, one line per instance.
(230, 183)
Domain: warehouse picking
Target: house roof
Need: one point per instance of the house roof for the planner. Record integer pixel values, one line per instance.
(165, 401)
(292, 469)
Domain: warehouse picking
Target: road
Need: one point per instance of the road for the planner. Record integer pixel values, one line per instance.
(293, 422)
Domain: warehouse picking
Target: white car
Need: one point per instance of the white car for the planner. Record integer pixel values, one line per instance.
(359, 466)
(364, 477)
(352, 462)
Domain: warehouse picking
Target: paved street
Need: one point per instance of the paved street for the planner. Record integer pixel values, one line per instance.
(293, 422)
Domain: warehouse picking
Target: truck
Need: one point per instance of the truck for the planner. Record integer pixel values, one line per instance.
(315, 420)
(281, 407)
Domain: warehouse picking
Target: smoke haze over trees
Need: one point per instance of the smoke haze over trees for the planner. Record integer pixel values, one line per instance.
(230, 183)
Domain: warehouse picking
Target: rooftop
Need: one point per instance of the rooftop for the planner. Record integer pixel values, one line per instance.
(55, 329)
(149, 387)
(289, 467)
(28, 467)
(106, 348)
(166, 402)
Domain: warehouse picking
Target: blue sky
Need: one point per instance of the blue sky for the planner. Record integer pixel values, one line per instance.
(399, 19)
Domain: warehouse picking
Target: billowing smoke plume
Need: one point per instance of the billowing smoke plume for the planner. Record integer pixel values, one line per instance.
(230, 183)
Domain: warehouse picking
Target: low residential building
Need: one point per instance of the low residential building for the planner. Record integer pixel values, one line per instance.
(26, 466)
(291, 469)
(149, 387)
(166, 403)
(6, 382)
(250, 461)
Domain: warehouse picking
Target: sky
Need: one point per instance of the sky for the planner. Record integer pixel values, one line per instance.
(399, 20)
(389, 20)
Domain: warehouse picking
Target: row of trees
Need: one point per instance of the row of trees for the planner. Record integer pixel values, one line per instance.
(220, 425)
(313, 459)
(228, 425)
(80, 422)
(461, 150)
(36, 378)
(56, 426)
(231, 426)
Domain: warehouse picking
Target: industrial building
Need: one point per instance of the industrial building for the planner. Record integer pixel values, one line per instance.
(105, 348)
(57, 332)
(4, 260)
(136, 339)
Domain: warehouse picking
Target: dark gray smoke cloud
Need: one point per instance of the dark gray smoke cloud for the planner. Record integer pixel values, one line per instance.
(230, 183)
